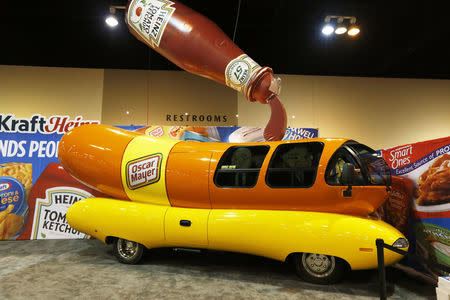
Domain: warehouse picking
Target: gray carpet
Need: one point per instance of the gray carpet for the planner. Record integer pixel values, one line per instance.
(87, 269)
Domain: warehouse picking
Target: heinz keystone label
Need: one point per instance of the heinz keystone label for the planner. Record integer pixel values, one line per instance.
(143, 171)
(50, 214)
(239, 71)
(149, 18)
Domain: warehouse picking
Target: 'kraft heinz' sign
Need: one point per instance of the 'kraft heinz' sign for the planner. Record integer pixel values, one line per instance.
(144, 171)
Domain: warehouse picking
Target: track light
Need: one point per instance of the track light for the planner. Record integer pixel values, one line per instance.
(340, 29)
(111, 20)
(327, 29)
(342, 25)
(353, 30)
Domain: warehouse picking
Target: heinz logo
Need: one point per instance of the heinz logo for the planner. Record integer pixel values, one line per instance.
(143, 171)
(4, 186)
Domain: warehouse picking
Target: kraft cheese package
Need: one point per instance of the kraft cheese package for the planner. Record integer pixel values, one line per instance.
(427, 206)
(15, 185)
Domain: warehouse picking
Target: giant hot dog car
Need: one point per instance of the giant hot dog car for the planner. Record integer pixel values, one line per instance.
(308, 200)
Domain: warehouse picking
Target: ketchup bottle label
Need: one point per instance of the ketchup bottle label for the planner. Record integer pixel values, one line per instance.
(239, 71)
(149, 18)
(50, 213)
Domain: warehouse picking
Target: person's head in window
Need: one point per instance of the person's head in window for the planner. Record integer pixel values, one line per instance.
(297, 157)
(242, 158)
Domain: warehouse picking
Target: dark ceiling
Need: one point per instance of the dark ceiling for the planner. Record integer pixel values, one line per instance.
(397, 39)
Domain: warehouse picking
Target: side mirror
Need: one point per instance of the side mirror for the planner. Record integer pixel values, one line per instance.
(348, 174)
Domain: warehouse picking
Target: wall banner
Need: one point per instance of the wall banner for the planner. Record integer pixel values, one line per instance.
(419, 205)
(28, 166)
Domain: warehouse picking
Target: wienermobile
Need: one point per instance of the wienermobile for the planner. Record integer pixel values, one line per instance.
(308, 201)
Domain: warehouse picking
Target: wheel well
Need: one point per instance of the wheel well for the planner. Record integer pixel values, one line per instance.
(290, 257)
(110, 239)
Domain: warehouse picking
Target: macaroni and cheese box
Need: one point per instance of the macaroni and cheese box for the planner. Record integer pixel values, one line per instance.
(15, 185)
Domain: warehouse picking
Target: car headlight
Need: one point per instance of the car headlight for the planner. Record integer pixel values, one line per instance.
(401, 243)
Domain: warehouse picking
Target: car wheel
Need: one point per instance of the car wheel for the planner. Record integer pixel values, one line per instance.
(319, 268)
(127, 252)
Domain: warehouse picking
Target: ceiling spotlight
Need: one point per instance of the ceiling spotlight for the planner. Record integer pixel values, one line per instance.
(353, 30)
(340, 28)
(327, 29)
(111, 19)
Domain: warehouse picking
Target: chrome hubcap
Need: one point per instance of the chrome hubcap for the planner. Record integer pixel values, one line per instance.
(126, 248)
(318, 265)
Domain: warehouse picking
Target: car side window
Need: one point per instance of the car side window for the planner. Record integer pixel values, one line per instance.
(294, 165)
(334, 169)
(239, 166)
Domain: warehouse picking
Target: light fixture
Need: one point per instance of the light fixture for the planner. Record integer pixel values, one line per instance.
(340, 28)
(353, 30)
(111, 20)
(343, 24)
(327, 29)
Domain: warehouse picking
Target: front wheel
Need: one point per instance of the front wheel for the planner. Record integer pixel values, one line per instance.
(319, 268)
(127, 252)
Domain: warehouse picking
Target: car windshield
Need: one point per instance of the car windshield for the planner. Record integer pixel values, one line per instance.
(377, 170)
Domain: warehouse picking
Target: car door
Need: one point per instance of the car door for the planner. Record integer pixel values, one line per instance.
(186, 227)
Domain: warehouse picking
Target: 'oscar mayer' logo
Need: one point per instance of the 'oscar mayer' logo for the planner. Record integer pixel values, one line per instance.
(400, 157)
(143, 171)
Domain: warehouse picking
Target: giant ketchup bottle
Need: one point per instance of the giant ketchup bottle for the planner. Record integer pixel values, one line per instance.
(199, 46)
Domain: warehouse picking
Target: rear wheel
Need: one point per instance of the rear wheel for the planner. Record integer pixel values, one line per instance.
(319, 268)
(127, 252)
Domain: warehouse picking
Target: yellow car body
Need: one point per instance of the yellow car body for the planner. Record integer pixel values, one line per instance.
(270, 233)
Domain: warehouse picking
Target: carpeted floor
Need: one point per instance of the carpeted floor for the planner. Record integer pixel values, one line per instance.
(87, 269)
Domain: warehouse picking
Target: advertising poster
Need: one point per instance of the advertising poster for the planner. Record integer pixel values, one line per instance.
(420, 201)
(220, 134)
(35, 191)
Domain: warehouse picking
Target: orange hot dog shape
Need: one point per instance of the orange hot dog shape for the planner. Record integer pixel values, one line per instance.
(199, 46)
(303, 175)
